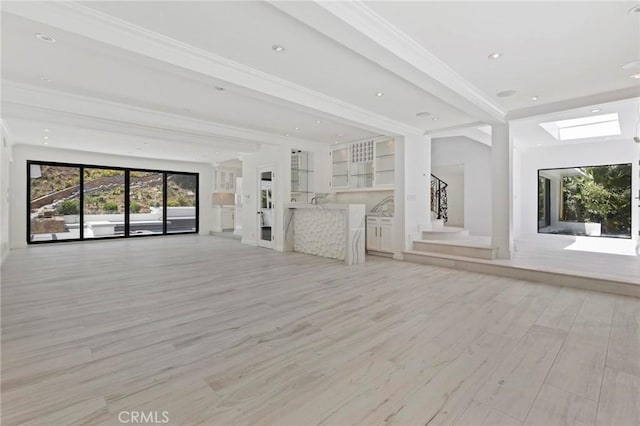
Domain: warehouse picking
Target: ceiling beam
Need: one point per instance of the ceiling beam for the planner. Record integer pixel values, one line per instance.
(356, 26)
(99, 26)
(569, 104)
(26, 101)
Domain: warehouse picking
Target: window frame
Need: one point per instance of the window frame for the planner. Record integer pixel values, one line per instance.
(127, 200)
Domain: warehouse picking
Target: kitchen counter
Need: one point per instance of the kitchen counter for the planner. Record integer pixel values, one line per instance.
(330, 230)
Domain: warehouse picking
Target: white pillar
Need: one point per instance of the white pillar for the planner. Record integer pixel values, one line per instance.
(502, 190)
(411, 201)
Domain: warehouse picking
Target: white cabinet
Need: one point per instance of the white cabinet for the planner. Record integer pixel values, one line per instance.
(225, 180)
(380, 234)
(368, 164)
(223, 218)
(301, 176)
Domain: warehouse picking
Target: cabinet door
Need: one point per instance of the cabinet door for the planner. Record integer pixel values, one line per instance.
(340, 168)
(372, 234)
(386, 235)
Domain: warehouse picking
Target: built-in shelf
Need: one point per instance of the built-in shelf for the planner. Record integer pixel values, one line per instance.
(301, 175)
(367, 164)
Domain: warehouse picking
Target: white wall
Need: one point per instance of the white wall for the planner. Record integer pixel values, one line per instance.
(22, 153)
(5, 192)
(476, 158)
(571, 155)
(369, 198)
(454, 177)
(412, 171)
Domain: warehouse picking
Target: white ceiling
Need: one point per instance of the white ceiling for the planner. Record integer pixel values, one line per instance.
(554, 50)
(105, 79)
(245, 32)
(529, 133)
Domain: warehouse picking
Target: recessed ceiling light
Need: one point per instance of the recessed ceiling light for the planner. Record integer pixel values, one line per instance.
(45, 137)
(45, 37)
(435, 118)
(277, 48)
(219, 89)
(534, 98)
(379, 94)
(506, 93)
(318, 121)
(297, 128)
(635, 9)
(335, 142)
(595, 110)
(495, 55)
(286, 134)
(45, 130)
(423, 114)
(45, 143)
(636, 76)
(48, 80)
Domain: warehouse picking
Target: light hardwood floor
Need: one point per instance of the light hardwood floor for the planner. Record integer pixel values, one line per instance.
(214, 332)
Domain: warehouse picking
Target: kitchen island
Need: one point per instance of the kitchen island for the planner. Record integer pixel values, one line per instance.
(335, 231)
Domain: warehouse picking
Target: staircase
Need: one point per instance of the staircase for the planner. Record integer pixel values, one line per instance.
(442, 245)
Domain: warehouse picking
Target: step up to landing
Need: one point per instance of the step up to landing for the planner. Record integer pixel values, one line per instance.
(445, 233)
(528, 273)
(456, 248)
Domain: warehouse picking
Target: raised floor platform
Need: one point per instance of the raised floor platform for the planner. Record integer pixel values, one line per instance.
(569, 263)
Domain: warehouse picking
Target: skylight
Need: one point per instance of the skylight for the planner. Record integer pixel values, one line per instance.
(592, 126)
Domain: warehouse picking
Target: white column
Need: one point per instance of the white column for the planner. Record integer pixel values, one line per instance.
(502, 190)
(413, 169)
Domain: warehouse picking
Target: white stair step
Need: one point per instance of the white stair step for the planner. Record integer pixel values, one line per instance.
(445, 233)
(437, 223)
(454, 248)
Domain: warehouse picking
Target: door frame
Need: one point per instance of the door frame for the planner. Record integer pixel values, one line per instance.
(259, 240)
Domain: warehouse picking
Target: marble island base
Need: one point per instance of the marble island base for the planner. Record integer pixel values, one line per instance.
(335, 231)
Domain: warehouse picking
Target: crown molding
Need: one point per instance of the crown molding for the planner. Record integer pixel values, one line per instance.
(99, 26)
(583, 102)
(368, 31)
(18, 99)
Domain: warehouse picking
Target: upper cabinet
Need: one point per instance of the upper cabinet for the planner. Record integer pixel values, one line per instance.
(367, 164)
(225, 179)
(301, 176)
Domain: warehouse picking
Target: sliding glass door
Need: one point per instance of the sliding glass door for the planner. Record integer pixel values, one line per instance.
(103, 191)
(181, 202)
(77, 202)
(146, 201)
(54, 203)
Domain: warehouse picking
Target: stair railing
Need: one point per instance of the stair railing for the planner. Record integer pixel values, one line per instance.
(439, 197)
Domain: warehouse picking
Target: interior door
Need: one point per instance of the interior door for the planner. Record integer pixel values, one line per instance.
(266, 208)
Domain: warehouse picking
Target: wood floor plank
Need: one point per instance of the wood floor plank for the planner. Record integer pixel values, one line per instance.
(515, 383)
(556, 407)
(619, 399)
(624, 342)
(479, 414)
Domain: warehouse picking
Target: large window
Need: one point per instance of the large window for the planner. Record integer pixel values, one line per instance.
(181, 202)
(592, 201)
(146, 201)
(104, 201)
(78, 202)
(54, 202)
